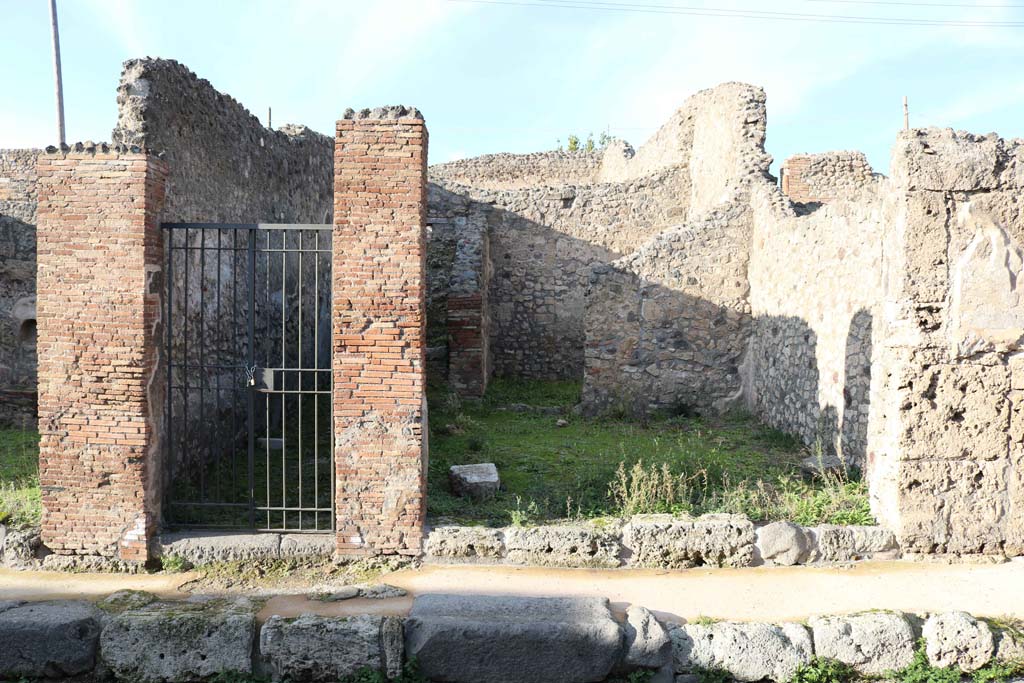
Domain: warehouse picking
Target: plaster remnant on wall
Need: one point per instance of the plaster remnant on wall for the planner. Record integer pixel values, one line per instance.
(985, 311)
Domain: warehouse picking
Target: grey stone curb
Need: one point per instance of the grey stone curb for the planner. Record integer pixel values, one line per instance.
(131, 636)
(660, 541)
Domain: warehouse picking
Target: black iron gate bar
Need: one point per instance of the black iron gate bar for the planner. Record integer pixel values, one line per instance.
(190, 490)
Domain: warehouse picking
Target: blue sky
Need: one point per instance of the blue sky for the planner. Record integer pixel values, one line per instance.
(497, 77)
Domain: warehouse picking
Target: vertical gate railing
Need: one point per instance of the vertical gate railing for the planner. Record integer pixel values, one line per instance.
(248, 408)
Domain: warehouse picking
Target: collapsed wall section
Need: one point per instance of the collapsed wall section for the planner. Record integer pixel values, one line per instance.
(18, 198)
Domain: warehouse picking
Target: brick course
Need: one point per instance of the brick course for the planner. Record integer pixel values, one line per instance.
(100, 254)
(379, 332)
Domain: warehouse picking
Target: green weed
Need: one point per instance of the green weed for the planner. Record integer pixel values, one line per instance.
(920, 670)
(824, 670)
(20, 500)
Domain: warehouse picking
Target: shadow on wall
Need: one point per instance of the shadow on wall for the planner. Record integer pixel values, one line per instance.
(787, 390)
(651, 348)
(532, 279)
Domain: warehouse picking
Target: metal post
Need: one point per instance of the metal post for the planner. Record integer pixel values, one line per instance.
(56, 71)
(251, 392)
(906, 114)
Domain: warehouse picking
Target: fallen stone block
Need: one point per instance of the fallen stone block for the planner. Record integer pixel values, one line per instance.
(18, 548)
(48, 639)
(479, 482)
(465, 543)
(562, 546)
(834, 543)
(748, 652)
(498, 639)
(671, 542)
(783, 543)
(181, 641)
(872, 643)
(958, 639)
(315, 648)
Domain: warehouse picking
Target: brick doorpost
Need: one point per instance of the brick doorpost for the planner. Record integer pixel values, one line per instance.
(100, 256)
(379, 333)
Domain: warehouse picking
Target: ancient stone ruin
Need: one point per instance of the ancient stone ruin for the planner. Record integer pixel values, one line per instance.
(876, 318)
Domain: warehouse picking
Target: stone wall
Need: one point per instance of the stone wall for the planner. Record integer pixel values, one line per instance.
(946, 444)
(17, 287)
(667, 326)
(815, 283)
(459, 274)
(225, 166)
(514, 171)
(100, 389)
(826, 177)
(379, 331)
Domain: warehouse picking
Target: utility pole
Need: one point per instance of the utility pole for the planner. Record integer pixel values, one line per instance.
(56, 71)
(906, 114)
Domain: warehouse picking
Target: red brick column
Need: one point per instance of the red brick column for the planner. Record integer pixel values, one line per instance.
(100, 255)
(379, 250)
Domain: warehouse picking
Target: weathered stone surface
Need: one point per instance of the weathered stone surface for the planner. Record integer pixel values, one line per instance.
(465, 542)
(957, 638)
(479, 482)
(201, 548)
(315, 648)
(872, 643)
(48, 639)
(783, 543)
(562, 546)
(125, 600)
(944, 159)
(307, 545)
(178, 642)
(674, 542)
(749, 652)
(1009, 642)
(468, 639)
(647, 643)
(19, 548)
(834, 543)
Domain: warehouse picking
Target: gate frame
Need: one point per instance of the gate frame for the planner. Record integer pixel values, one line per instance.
(252, 249)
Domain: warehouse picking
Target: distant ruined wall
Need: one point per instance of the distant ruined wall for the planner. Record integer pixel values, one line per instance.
(225, 165)
(815, 283)
(18, 198)
(513, 171)
(826, 177)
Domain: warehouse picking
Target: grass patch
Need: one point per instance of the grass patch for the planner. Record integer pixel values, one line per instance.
(612, 466)
(20, 504)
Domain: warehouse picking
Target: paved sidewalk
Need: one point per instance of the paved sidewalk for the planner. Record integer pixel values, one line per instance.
(752, 594)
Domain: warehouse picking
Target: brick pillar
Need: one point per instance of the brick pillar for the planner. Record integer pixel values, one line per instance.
(379, 332)
(100, 395)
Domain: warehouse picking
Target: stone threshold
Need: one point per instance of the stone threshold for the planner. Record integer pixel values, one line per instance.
(207, 547)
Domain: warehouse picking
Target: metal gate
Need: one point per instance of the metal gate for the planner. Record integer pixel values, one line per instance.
(249, 439)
